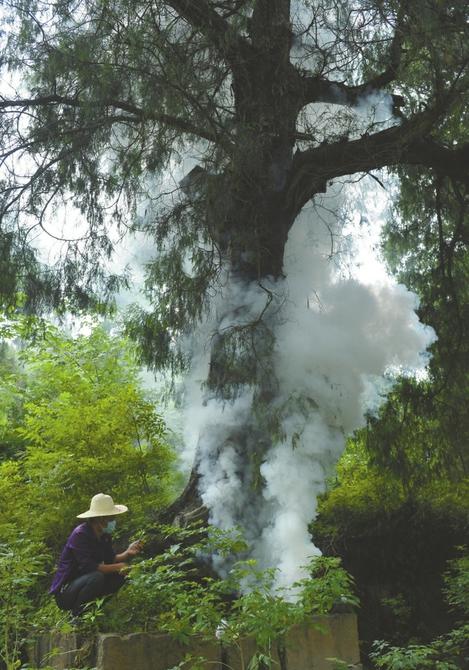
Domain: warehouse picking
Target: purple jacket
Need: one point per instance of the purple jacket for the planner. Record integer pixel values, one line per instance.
(82, 553)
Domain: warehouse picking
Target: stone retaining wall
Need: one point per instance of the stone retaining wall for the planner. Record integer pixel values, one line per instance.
(308, 647)
(62, 651)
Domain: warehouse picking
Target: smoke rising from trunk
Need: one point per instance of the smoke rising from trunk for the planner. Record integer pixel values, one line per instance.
(335, 339)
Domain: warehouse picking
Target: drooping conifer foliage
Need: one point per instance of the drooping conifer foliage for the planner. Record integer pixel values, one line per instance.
(99, 97)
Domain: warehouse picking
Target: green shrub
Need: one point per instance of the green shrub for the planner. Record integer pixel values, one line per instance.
(166, 593)
(74, 421)
(86, 426)
(394, 542)
(457, 583)
(22, 563)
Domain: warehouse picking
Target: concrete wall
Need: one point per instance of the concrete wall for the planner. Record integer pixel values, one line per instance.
(56, 648)
(307, 648)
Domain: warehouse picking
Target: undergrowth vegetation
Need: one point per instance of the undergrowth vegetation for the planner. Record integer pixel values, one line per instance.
(403, 546)
(80, 423)
(169, 593)
(446, 652)
(75, 420)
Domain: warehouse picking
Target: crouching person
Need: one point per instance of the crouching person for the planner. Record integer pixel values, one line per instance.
(88, 566)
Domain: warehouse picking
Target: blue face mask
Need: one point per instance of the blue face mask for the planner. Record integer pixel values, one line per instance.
(110, 527)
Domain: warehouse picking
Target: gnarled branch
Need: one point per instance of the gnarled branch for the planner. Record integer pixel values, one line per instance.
(409, 143)
(319, 89)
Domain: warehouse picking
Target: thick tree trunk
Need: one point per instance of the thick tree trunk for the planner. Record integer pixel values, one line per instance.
(265, 186)
(253, 223)
(256, 255)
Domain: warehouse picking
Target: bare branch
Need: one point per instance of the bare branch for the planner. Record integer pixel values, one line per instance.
(139, 114)
(409, 143)
(211, 24)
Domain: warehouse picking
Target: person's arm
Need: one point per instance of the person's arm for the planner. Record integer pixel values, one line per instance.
(132, 550)
(107, 568)
(87, 559)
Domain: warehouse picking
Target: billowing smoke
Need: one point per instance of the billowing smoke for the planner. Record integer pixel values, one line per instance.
(335, 340)
(335, 345)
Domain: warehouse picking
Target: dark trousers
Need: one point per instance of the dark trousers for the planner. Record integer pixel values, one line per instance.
(86, 588)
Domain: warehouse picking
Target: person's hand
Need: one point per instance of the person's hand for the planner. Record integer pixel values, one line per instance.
(134, 548)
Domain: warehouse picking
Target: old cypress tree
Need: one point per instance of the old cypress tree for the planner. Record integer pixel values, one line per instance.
(103, 95)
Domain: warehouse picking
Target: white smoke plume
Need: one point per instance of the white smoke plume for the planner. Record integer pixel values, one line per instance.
(335, 340)
(332, 351)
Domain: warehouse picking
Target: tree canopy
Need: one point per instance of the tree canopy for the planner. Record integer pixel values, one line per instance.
(74, 412)
(274, 101)
(104, 95)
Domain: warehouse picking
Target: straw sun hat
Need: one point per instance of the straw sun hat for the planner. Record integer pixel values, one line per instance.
(102, 505)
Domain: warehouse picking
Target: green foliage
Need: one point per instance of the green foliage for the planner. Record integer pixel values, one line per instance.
(426, 246)
(447, 652)
(85, 426)
(22, 563)
(10, 401)
(457, 583)
(75, 421)
(328, 585)
(359, 493)
(121, 53)
(118, 91)
(395, 524)
(167, 593)
(175, 592)
(413, 657)
(405, 440)
(386, 466)
(83, 416)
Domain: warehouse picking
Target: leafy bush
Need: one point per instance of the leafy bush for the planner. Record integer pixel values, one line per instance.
(86, 426)
(22, 563)
(448, 652)
(457, 583)
(329, 585)
(395, 543)
(165, 593)
(412, 657)
(74, 421)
